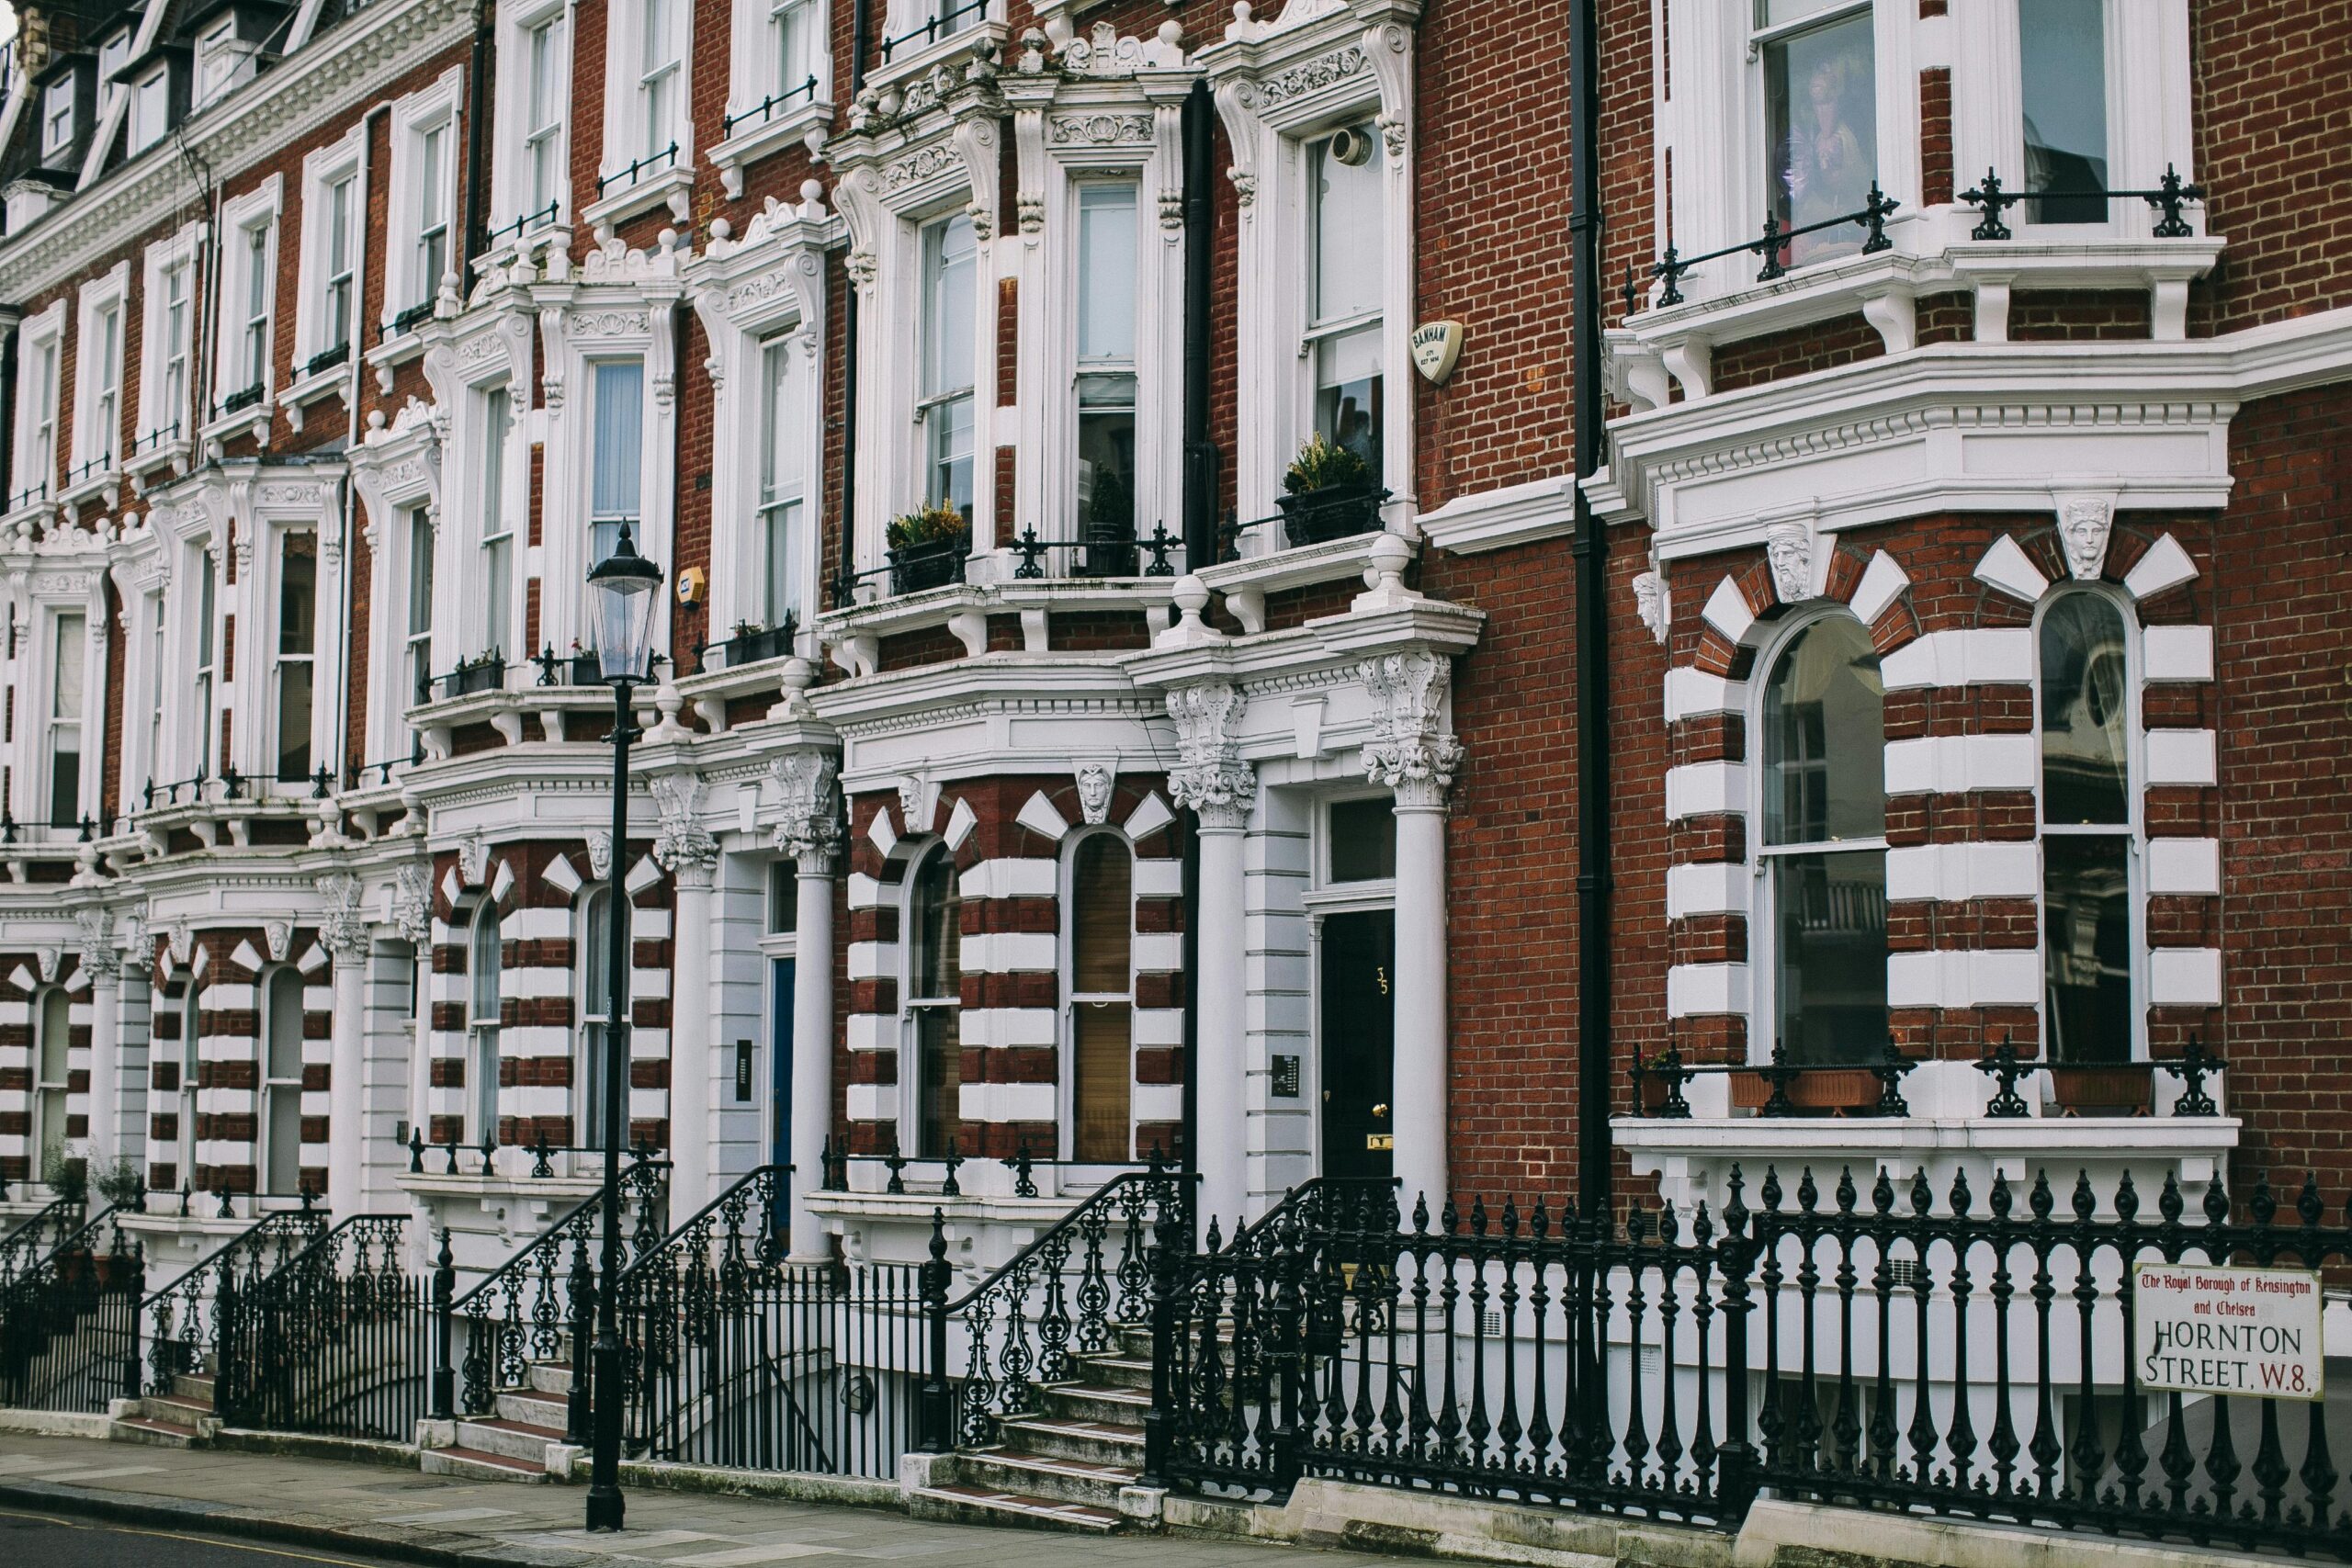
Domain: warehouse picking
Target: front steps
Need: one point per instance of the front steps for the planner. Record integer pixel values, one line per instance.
(521, 1439)
(184, 1419)
(1076, 1464)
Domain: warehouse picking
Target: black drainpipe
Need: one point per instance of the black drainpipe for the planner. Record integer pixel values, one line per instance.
(8, 405)
(1201, 475)
(1590, 548)
(477, 112)
(844, 568)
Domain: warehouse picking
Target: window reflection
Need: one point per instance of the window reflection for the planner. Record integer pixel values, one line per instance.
(2086, 947)
(2087, 907)
(935, 987)
(2084, 690)
(1820, 99)
(2063, 78)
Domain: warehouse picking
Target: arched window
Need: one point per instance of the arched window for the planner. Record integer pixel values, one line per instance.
(1102, 999)
(482, 964)
(281, 1089)
(2086, 830)
(595, 970)
(191, 1074)
(52, 1072)
(1824, 848)
(935, 997)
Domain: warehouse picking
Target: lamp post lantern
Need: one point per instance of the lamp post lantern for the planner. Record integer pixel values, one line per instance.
(623, 590)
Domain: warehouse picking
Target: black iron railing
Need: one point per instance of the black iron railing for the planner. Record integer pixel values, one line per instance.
(183, 1319)
(328, 358)
(26, 1246)
(243, 398)
(1115, 554)
(749, 645)
(156, 437)
(521, 226)
(336, 1339)
(1874, 1086)
(1897, 1347)
(1771, 246)
(740, 1358)
(101, 464)
(636, 168)
(487, 674)
(764, 110)
(409, 318)
(28, 495)
(575, 668)
(537, 1306)
(942, 25)
(2171, 197)
(69, 1324)
(1310, 517)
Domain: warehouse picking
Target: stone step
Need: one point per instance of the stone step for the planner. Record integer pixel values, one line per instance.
(533, 1409)
(1029, 1474)
(172, 1407)
(195, 1388)
(512, 1439)
(1116, 1371)
(1106, 1402)
(549, 1377)
(978, 1505)
(1089, 1442)
(473, 1465)
(154, 1431)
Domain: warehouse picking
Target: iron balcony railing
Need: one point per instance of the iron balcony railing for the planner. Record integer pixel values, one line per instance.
(486, 674)
(328, 358)
(243, 398)
(545, 217)
(749, 645)
(1772, 246)
(1113, 553)
(947, 22)
(637, 168)
(408, 318)
(2171, 197)
(764, 110)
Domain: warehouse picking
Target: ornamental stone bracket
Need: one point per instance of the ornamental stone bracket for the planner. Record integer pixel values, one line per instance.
(807, 785)
(1414, 751)
(1210, 778)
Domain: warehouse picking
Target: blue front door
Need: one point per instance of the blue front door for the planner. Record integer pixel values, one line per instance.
(780, 980)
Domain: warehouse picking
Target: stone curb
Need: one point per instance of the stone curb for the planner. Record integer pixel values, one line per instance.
(453, 1548)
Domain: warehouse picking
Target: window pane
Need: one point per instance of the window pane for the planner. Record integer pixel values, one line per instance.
(2086, 947)
(595, 962)
(938, 921)
(1106, 455)
(1825, 739)
(1347, 206)
(950, 265)
(1821, 109)
(620, 411)
(1348, 394)
(420, 573)
(781, 545)
(781, 462)
(1106, 273)
(939, 1084)
(56, 1037)
(784, 898)
(1364, 840)
(484, 963)
(2065, 53)
(2085, 766)
(1105, 1064)
(297, 584)
(285, 1155)
(285, 1026)
(951, 454)
(72, 632)
(1102, 915)
(1830, 980)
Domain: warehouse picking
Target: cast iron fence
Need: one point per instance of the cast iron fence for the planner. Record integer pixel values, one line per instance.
(336, 1339)
(183, 1319)
(1879, 1348)
(31, 1242)
(737, 1357)
(69, 1324)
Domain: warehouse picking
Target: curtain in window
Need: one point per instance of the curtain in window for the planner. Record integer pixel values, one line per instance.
(614, 461)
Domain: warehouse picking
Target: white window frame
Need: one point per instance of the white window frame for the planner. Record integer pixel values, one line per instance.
(911, 1008)
(399, 477)
(2133, 830)
(41, 354)
(932, 403)
(416, 673)
(98, 376)
(498, 509)
(568, 491)
(594, 1044)
(220, 60)
(323, 172)
(150, 93)
(630, 135)
(55, 724)
(58, 108)
(191, 1043)
(514, 151)
(257, 209)
(40, 1135)
(45, 596)
(482, 1049)
(164, 415)
(1065, 1090)
(782, 509)
(430, 109)
(271, 648)
(1763, 957)
(768, 96)
(277, 1090)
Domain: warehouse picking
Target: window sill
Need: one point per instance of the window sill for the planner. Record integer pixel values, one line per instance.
(334, 381)
(144, 464)
(212, 820)
(908, 63)
(103, 486)
(393, 351)
(508, 711)
(252, 420)
(1246, 583)
(757, 141)
(854, 635)
(670, 185)
(1654, 347)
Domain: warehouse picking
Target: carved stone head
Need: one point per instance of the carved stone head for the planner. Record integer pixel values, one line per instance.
(2083, 527)
(1094, 785)
(1788, 547)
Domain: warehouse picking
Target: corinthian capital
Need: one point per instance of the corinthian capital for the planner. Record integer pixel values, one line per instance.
(100, 961)
(808, 824)
(1210, 776)
(1413, 752)
(684, 848)
(342, 931)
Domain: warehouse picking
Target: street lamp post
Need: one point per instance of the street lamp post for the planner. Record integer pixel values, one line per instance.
(623, 590)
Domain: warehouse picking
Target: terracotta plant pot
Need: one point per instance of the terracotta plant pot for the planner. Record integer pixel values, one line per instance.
(2120, 1089)
(1838, 1090)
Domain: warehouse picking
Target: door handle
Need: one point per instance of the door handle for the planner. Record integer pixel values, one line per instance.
(1381, 1111)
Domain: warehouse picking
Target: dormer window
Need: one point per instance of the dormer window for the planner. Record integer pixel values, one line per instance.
(57, 118)
(151, 98)
(218, 55)
(1820, 120)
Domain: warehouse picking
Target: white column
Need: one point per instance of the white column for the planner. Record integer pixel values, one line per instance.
(1219, 788)
(347, 1132)
(691, 857)
(103, 965)
(812, 1045)
(1415, 755)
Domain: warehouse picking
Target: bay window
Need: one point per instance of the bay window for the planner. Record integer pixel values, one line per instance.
(1106, 367)
(618, 425)
(294, 675)
(150, 109)
(483, 961)
(69, 642)
(782, 484)
(1820, 120)
(1102, 999)
(1346, 213)
(2087, 827)
(934, 1001)
(497, 526)
(57, 118)
(2063, 59)
(281, 1162)
(1823, 855)
(950, 280)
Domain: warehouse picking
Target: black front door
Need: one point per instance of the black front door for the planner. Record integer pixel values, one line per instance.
(1359, 1042)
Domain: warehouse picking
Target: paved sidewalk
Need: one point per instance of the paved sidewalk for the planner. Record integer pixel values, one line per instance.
(374, 1510)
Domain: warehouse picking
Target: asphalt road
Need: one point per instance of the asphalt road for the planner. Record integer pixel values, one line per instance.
(60, 1540)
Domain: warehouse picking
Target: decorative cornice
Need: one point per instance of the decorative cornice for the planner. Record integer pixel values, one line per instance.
(1211, 779)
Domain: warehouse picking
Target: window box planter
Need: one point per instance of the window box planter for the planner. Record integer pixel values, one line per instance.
(1335, 511)
(468, 679)
(933, 563)
(751, 646)
(1838, 1090)
(582, 669)
(2125, 1088)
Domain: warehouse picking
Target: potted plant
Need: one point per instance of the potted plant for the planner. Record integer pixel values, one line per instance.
(1331, 493)
(2102, 1089)
(927, 547)
(121, 1183)
(755, 640)
(67, 1176)
(1657, 1074)
(1836, 1089)
(481, 674)
(587, 668)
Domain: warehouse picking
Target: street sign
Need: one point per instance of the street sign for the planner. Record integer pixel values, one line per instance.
(2197, 1330)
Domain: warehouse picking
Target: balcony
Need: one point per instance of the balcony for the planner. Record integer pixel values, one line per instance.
(486, 701)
